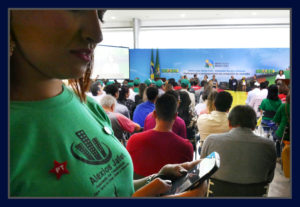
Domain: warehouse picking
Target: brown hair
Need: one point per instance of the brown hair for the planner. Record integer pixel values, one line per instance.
(82, 85)
(210, 101)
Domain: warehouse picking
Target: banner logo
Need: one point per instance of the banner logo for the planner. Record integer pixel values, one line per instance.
(209, 63)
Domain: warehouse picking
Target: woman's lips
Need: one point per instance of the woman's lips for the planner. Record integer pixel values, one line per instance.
(83, 54)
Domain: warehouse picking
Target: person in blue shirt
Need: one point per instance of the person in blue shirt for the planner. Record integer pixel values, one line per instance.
(143, 109)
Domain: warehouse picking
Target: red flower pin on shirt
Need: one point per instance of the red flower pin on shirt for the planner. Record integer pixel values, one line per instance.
(59, 169)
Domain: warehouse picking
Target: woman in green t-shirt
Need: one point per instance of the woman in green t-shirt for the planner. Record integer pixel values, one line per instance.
(269, 106)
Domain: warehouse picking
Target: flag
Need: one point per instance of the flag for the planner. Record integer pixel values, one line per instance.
(157, 70)
(152, 66)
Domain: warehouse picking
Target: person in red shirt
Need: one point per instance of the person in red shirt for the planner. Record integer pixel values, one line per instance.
(179, 126)
(152, 149)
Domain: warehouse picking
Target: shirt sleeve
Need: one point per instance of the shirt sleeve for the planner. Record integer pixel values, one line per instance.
(262, 105)
(126, 123)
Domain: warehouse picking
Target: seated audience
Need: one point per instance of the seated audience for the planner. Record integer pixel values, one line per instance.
(120, 123)
(210, 106)
(113, 90)
(216, 122)
(184, 87)
(96, 91)
(152, 149)
(139, 98)
(179, 126)
(124, 100)
(245, 157)
(142, 110)
(169, 87)
(186, 112)
(269, 106)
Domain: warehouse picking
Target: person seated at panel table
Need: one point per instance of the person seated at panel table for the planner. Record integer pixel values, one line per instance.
(154, 148)
(179, 126)
(233, 83)
(246, 158)
(120, 123)
(142, 110)
(77, 142)
(214, 81)
(112, 89)
(215, 122)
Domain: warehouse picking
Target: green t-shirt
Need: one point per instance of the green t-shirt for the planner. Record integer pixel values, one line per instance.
(136, 90)
(269, 105)
(63, 129)
(281, 118)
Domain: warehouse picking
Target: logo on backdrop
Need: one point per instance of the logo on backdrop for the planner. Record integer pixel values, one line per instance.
(209, 63)
(90, 151)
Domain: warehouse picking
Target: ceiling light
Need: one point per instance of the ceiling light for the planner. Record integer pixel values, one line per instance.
(182, 15)
(113, 17)
(254, 13)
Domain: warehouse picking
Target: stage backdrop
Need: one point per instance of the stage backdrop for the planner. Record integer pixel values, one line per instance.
(221, 62)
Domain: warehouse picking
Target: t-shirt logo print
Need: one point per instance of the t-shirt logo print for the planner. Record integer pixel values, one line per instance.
(90, 151)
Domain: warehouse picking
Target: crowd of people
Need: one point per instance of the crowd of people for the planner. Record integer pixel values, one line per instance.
(101, 138)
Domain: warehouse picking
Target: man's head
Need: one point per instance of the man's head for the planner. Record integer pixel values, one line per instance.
(95, 88)
(166, 107)
(136, 82)
(242, 116)
(232, 77)
(223, 101)
(152, 93)
(112, 90)
(108, 102)
(175, 94)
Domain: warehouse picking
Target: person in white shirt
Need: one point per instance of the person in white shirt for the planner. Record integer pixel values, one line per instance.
(254, 92)
(132, 94)
(96, 91)
(257, 99)
(280, 75)
(216, 122)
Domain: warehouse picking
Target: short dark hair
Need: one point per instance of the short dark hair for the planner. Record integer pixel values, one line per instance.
(95, 88)
(111, 89)
(273, 92)
(173, 93)
(152, 93)
(223, 101)
(243, 116)
(166, 107)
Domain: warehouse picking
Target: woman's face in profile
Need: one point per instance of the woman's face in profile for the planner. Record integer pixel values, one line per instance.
(56, 43)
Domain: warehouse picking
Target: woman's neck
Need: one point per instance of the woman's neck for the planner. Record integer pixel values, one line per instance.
(28, 84)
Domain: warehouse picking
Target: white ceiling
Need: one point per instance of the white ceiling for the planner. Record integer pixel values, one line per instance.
(124, 18)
